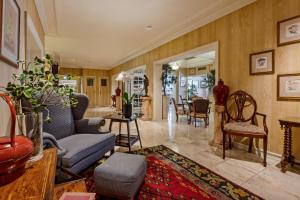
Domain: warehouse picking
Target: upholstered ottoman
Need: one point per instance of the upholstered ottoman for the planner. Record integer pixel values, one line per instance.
(120, 176)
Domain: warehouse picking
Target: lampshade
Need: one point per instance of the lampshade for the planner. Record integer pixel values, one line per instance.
(120, 76)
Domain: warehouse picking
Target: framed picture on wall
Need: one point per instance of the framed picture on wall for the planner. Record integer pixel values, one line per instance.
(262, 63)
(10, 32)
(288, 87)
(288, 31)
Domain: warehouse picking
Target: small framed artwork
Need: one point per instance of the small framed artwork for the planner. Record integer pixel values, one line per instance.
(288, 31)
(10, 32)
(262, 63)
(288, 87)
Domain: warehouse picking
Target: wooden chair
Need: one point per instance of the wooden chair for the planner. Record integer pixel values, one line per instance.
(200, 109)
(179, 109)
(239, 119)
(183, 100)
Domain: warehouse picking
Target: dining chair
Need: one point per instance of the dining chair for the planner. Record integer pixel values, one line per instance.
(200, 109)
(179, 109)
(240, 119)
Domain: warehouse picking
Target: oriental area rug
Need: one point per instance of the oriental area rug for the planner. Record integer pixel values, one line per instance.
(173, 176)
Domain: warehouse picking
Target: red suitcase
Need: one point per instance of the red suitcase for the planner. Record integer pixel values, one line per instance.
(14, 150)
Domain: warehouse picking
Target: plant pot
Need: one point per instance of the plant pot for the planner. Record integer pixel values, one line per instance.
(31, 126)
(127, 110)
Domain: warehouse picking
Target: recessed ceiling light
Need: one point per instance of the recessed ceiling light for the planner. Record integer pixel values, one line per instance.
(148, 28)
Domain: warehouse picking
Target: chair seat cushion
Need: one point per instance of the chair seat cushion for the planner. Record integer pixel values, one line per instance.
(244, 127)
(192, 114)
(79, 146)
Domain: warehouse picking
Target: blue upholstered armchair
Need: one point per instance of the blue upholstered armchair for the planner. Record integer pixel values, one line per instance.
(80, 141)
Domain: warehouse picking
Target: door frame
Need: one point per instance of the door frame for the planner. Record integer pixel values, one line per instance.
(85, 87)
(157, 69)
(99, 90)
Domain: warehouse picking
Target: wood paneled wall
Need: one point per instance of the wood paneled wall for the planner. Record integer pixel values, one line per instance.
(247, 30)
(91, 73)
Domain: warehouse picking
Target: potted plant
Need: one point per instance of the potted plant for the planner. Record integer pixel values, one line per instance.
(30, 91)
(167, 78)
(127, 105)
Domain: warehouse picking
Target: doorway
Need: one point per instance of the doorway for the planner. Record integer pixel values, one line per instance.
(90, 89)
(196, 70)
(103, 97)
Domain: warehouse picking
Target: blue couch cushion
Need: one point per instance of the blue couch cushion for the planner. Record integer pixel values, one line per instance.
(79, 146)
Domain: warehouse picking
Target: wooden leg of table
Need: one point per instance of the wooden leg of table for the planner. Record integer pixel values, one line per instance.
(128, 135)
(290, 155)
(138, 132)
(224, 141)
(284, 161)
(110, 125)
(120, 127)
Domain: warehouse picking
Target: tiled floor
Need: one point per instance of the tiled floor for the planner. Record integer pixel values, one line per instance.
(240, 166)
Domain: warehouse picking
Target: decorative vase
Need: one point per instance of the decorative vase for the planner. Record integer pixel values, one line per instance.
(118, 91)
(221, 92)
(31, 126)
(127, 110)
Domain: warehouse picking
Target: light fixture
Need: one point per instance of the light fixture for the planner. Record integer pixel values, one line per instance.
(120, 76)
(175, 66)
(148, 28)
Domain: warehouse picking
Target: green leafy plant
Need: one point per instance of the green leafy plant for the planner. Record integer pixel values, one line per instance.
(32, 88)
(126, 99)
(192, 90)
(167, 77)
(209, 82)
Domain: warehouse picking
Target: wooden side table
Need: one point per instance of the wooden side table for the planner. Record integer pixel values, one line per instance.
(73, 186)
(287, 157)
(36, 183)
(125, 140)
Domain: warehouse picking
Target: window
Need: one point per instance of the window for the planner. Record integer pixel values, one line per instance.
(103, 82)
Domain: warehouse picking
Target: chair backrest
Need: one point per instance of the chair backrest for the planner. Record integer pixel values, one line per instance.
(62, 121)
(183, 101)
(241, 107)
(80, 109)
(200, 105)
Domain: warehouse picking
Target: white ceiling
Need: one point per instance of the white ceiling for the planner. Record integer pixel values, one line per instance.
(104, 33)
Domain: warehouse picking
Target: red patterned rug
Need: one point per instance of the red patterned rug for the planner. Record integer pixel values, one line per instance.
(173, 176)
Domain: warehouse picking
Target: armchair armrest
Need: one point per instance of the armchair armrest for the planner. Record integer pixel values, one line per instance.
(49, 141)
(91, 125)
(264, 121)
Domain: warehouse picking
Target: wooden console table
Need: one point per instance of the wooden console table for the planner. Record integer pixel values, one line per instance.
(287, 124)
(73, 186)
(36, 183)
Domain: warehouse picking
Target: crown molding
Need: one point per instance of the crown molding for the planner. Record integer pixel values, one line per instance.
(194, 23)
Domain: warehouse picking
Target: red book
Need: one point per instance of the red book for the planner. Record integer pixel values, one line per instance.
(77, 196)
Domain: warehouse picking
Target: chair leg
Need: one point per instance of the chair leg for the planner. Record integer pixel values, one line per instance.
(195, 121)
(176, 117)
(250, 145)
(224, 142)
(230, 144)
(265, 150)
(112, 151)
